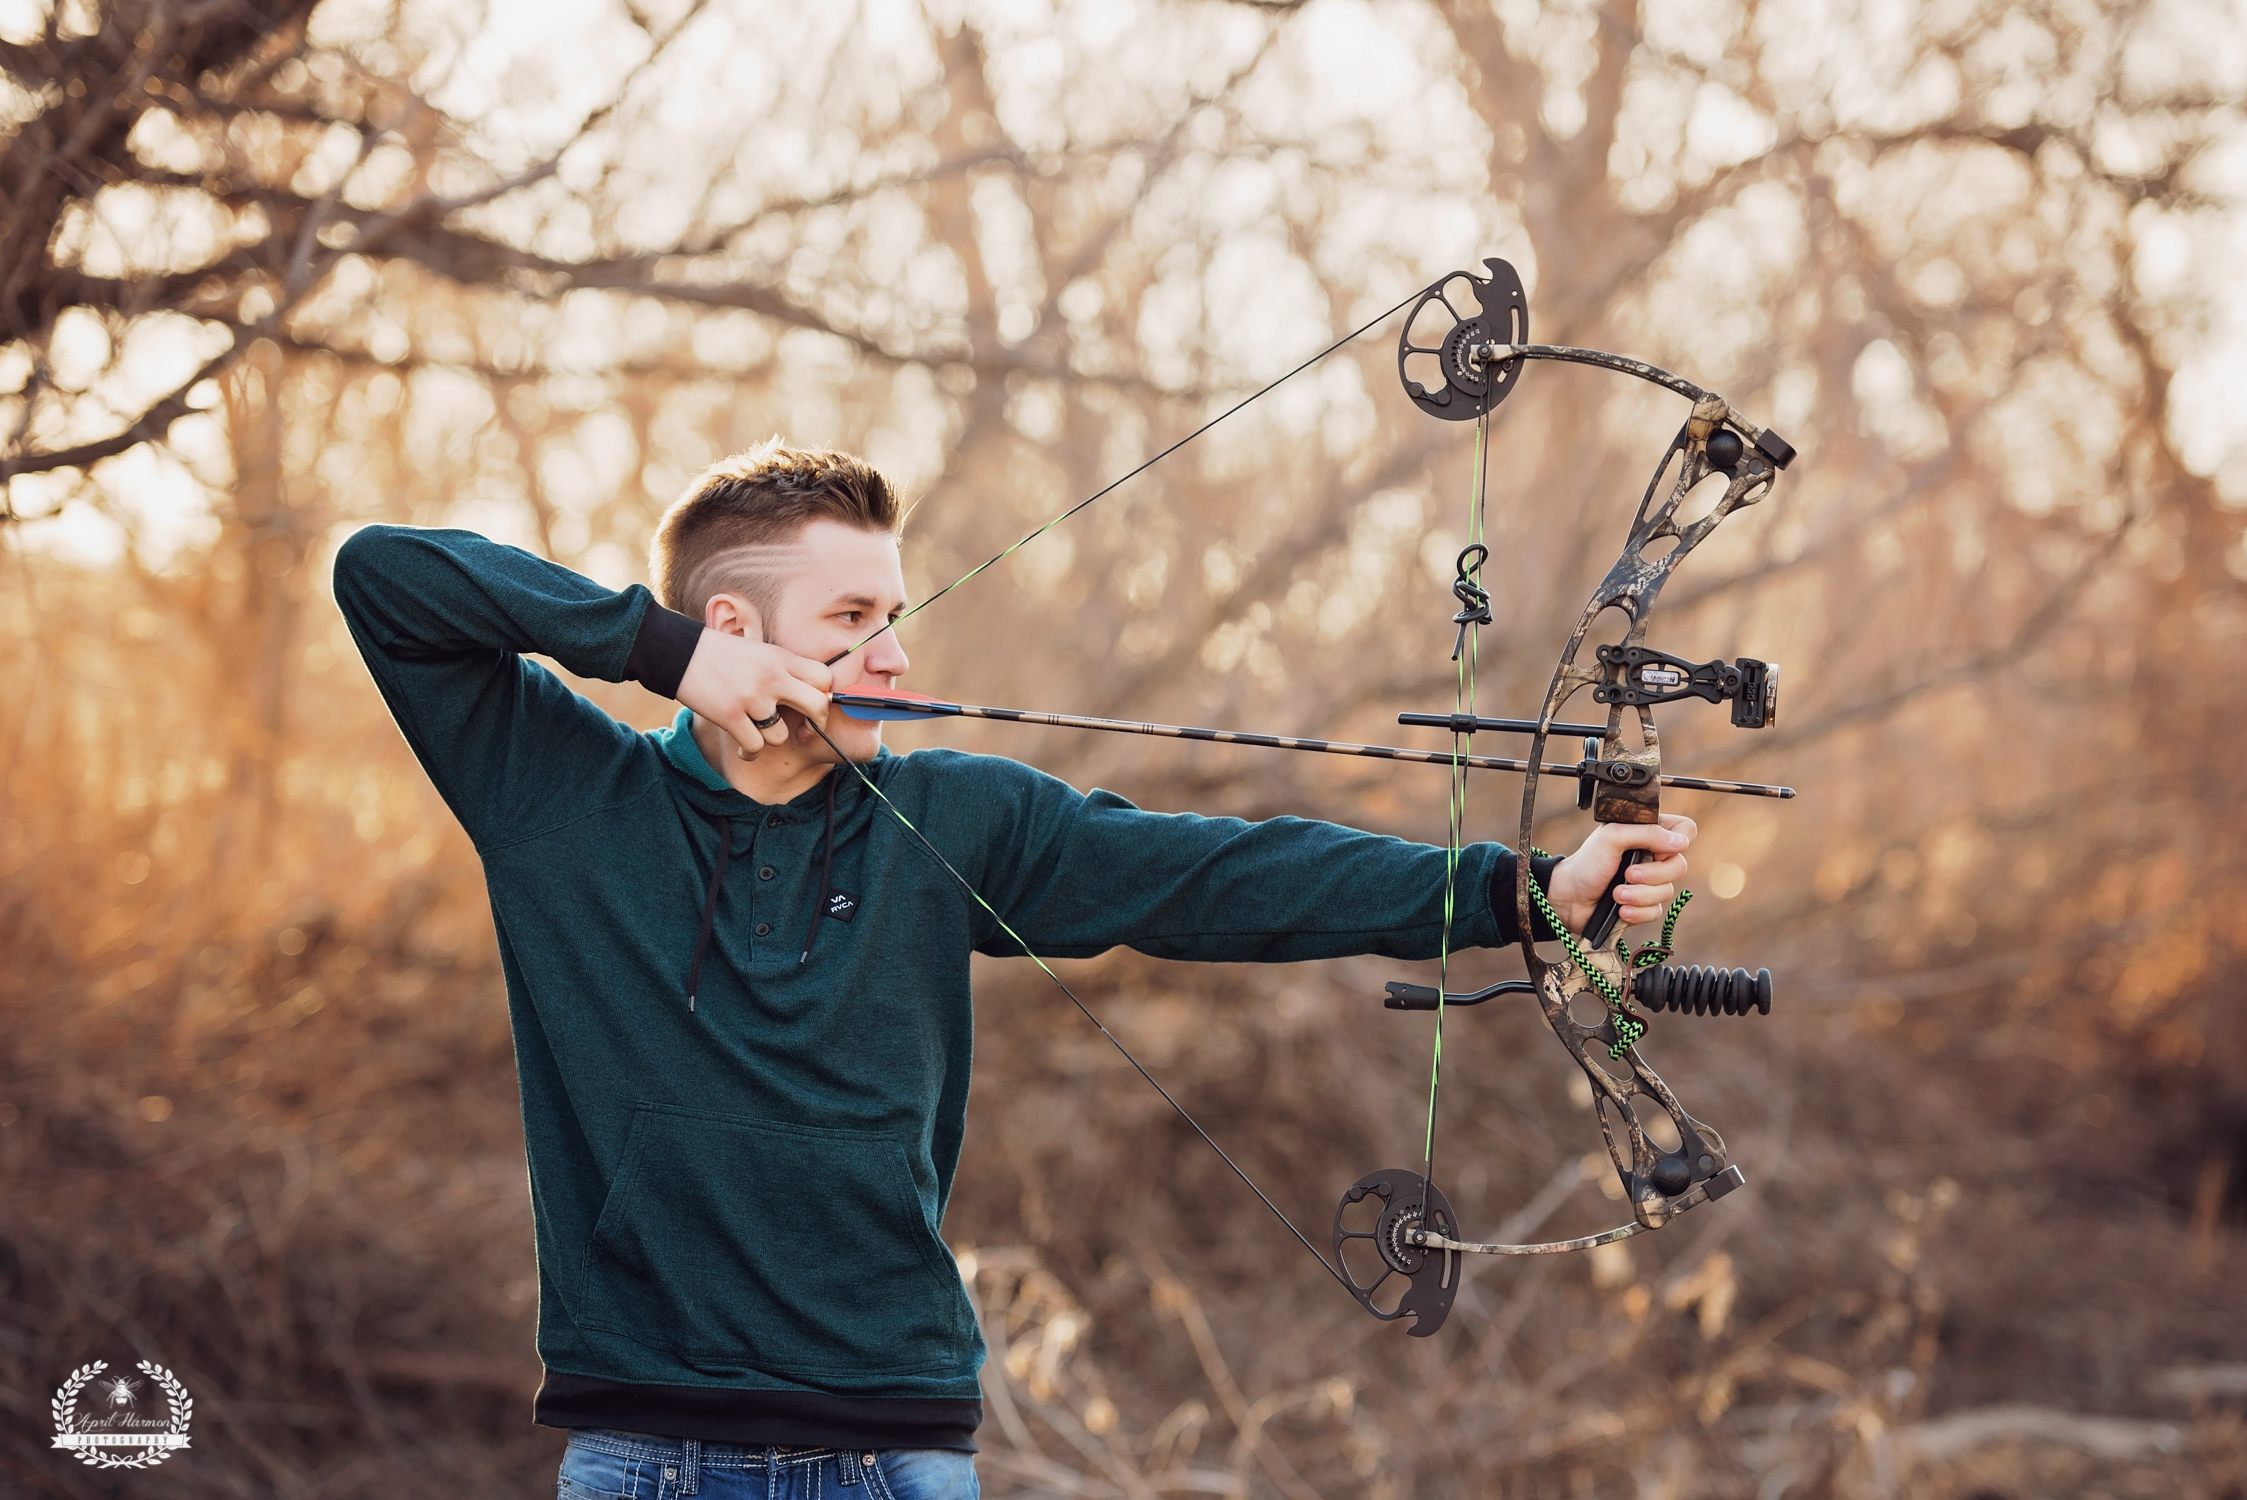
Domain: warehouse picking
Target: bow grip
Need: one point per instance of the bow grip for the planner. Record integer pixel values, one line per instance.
(1602, 924)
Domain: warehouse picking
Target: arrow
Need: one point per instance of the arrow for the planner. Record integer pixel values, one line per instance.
(883, 704)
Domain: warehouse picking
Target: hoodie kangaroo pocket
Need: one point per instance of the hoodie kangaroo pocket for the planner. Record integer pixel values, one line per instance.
(791, 1249)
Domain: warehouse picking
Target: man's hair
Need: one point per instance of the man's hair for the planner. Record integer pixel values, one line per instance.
(727, 532)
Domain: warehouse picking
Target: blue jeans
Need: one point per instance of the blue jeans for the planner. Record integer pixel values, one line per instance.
(604, 1465)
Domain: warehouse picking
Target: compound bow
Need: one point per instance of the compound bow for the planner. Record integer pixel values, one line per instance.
(1411, 1228)
(1406, 1218)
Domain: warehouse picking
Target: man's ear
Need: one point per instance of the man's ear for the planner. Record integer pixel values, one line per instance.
(730, 614)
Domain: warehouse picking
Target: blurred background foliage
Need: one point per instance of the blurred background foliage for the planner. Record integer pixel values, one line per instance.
(272, 269)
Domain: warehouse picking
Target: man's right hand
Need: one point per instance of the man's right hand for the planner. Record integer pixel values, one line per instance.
(733, 681)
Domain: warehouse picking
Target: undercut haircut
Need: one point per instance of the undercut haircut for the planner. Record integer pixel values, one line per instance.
(734, 530)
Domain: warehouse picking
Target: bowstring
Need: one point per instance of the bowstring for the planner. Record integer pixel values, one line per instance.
(1463, 702)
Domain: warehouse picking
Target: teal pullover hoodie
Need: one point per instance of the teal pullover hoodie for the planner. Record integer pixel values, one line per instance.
(737, 1203)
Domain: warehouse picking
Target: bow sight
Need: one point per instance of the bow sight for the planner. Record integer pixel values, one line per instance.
(1395, 1221)
(1649, 677)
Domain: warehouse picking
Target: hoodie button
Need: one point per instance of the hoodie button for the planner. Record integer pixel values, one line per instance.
(764, 929)
(766, 873)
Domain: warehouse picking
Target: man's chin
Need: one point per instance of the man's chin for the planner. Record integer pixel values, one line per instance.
(857, 747)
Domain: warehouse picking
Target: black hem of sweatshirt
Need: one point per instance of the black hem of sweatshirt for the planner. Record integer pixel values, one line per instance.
(661, 650)
(757, 1419)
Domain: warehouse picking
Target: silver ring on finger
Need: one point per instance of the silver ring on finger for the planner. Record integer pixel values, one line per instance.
(767, 723)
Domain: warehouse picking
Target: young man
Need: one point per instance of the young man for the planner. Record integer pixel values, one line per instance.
(739, 988)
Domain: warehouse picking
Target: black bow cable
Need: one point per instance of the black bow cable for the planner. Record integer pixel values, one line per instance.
(1059, 983)
(1116, 484)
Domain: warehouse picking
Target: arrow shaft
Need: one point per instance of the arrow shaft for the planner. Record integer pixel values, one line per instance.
(1294, 742)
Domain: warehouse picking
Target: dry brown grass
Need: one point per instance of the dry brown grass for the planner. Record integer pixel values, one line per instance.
(259, 1124)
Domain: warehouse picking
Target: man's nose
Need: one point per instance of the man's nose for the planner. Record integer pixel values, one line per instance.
(885, 657)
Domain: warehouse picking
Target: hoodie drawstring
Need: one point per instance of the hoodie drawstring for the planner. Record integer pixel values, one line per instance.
(718, 881)
(826, 868)
(710, 905)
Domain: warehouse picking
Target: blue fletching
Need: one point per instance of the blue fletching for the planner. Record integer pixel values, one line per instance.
(892, 703)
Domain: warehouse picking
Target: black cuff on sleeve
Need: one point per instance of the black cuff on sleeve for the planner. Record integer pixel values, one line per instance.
(662, 649)
(1502, 897)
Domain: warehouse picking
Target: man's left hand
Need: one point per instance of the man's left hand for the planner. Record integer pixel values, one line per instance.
(1581, 879)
